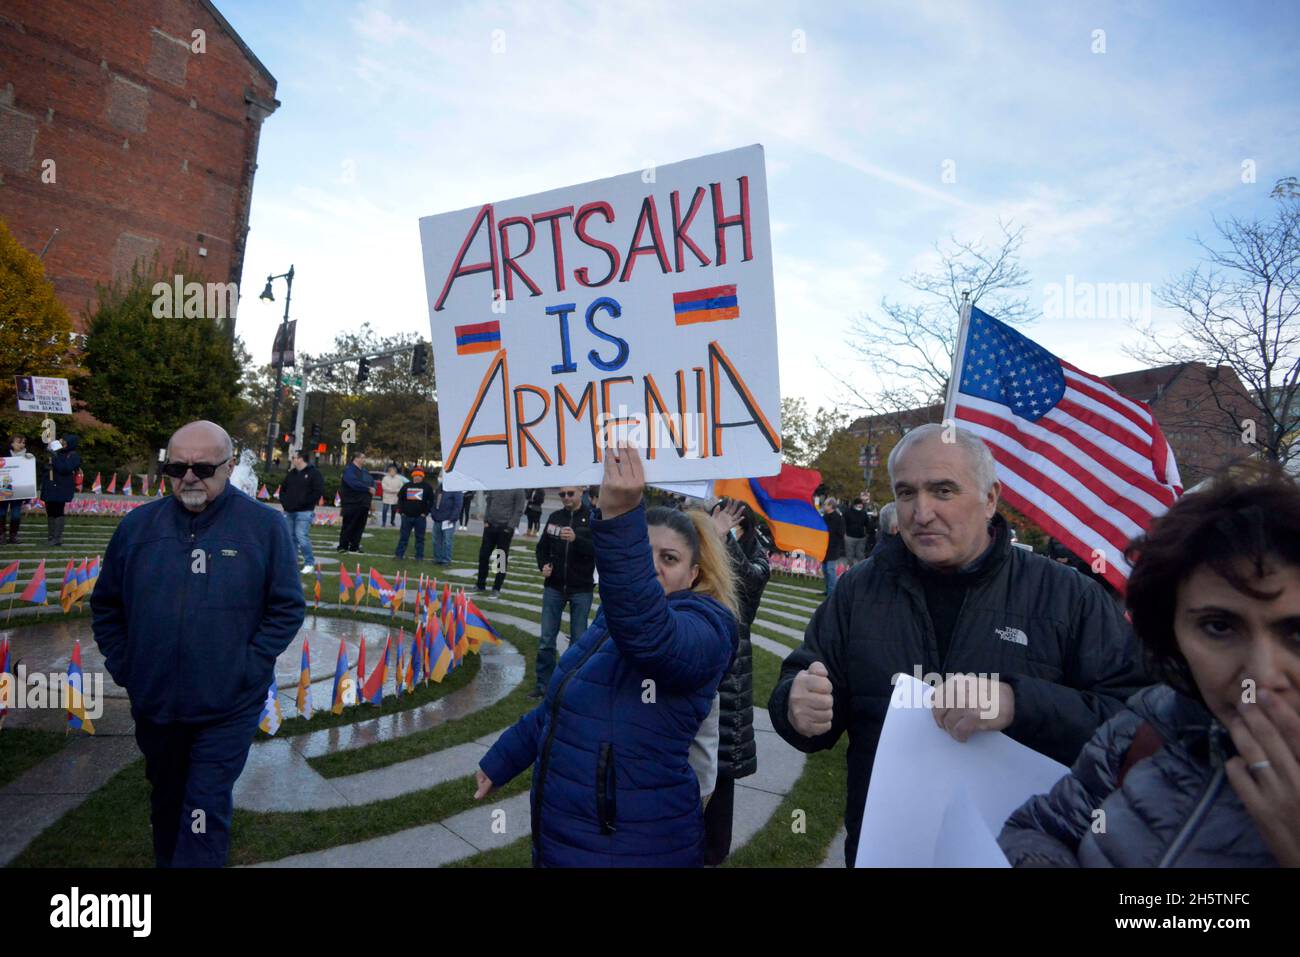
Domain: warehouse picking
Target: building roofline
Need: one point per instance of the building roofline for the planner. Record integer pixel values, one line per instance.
(239, 41)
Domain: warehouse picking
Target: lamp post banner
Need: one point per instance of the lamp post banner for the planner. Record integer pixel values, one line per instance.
(280, 344)
(638, 308)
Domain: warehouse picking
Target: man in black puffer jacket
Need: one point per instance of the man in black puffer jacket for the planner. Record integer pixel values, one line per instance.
(737, 750)
(949, 595)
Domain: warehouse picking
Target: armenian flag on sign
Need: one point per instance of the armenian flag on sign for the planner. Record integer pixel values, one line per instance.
(477, 628)
(9, 579)
(35, 590)
(379, 586)
(112, 484)
(785, 502)
(706, 305)
(372, 692)
(271, 717)
(96, 486)
(345, 583)
(341, 680)
(478, 337)
(360, 587)
(304, 683)
(77, 720)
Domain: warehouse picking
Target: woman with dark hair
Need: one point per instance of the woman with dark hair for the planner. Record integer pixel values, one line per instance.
(609, 743)
(60, 486)
(1203, 770)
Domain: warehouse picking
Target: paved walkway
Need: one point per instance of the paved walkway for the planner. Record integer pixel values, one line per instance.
(504, 822)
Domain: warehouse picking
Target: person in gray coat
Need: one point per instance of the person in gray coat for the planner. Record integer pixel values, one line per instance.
(500, 519)
(1204, 769)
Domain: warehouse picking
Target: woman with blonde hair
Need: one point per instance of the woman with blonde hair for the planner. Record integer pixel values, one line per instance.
(609, 743)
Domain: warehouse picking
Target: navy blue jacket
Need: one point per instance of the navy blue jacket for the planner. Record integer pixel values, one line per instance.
(60, 484)
(192, 609)
(356, 486)
(448, 507)
(609, 744)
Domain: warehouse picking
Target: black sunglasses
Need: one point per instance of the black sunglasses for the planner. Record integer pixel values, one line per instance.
(202, 470)
(568, 495)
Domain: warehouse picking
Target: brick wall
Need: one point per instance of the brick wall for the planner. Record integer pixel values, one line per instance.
(154, 145)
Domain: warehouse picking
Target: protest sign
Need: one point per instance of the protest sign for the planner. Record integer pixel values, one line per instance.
(41, 394)
(638, 308)
(17, 478)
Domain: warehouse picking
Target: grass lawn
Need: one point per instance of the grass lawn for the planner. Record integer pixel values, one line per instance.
(22, 748)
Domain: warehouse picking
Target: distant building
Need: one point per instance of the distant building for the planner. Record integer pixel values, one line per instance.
(132, 128)
(1201, 410)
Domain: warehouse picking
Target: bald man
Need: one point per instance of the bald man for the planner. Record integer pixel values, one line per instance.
(198, 596)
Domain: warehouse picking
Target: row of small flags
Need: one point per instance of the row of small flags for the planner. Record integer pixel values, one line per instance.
(78, 720)
(444, 633)
(78, 582)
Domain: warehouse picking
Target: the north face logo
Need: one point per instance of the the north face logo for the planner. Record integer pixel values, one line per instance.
(1012, 634)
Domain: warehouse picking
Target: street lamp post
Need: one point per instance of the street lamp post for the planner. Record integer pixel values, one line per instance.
(272, 428)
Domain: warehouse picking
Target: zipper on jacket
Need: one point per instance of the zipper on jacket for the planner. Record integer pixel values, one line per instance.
(1199, 813)
(606, 790)
(546, 748)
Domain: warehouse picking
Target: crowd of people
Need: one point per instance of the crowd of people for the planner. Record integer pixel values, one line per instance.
(1176, 707)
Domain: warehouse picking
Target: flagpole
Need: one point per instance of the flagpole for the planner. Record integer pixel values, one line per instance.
(963, 327)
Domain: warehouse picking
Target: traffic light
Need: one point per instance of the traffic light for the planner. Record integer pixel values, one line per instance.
(287, 438)
(419, 360)
(363, 369)
(315, 433)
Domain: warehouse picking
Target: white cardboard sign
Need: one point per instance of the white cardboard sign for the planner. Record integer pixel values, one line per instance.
(636, 308)
(43, 394)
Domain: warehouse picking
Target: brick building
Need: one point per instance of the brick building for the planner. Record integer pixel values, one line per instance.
(132, 128)
(1199, 408)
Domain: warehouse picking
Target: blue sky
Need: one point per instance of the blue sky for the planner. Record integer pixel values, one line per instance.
(1112, 160)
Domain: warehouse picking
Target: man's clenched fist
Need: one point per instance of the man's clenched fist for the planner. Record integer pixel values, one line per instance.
(812, 703)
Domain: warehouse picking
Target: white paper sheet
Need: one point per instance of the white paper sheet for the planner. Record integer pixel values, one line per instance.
(964, 839)
(918, 770)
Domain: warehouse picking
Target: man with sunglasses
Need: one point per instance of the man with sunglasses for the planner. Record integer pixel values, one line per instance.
(198, 596)
(567, 560)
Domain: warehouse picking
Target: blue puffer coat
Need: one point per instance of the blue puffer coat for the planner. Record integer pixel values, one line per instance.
(612, 786)
(1174, 808)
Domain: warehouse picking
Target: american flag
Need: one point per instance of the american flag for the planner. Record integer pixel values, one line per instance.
(1088, 465)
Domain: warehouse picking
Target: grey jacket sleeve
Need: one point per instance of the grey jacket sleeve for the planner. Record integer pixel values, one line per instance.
(1102, 669)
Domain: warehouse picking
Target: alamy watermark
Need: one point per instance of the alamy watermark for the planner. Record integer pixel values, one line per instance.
(194, 300)
(1097, 300)
(978, 692)
(51, 691)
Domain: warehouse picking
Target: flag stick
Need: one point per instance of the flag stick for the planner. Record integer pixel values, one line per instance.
(963, 326)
